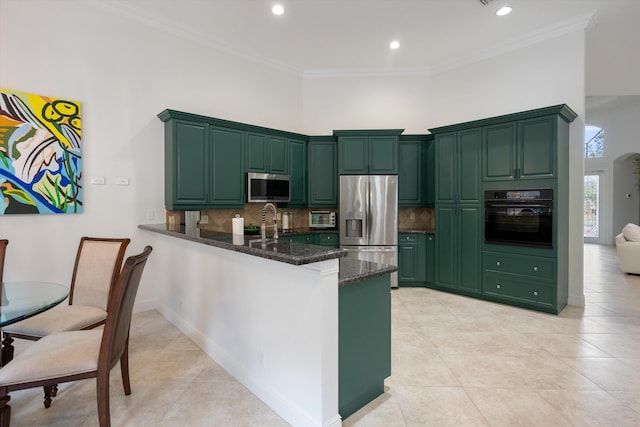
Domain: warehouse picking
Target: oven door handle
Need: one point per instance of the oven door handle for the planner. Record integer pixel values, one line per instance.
(515, 205)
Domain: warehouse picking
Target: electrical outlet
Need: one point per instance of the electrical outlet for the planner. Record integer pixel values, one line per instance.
(150, 214)
(97, 180)
(122, 181)
(412, 216)
(263, 359)
(204, 219)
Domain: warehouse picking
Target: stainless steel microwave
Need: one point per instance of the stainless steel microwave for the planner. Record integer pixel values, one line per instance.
(268, 187)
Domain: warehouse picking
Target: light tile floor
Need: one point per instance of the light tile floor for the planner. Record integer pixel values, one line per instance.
(456, 362)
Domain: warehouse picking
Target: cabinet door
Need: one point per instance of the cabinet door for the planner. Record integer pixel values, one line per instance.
(430, 274)
(187, 158)
(469, 247)
(383, 155)
(298, 172)
(353, 155)
(429, 174)
(446, 245)
(410, 175)
(227, 177)
(499, 152)
(469, 164)
(446, 167)
(278, 155)
(256, 153)
(323, 176)
(537, 148)
(407, 266)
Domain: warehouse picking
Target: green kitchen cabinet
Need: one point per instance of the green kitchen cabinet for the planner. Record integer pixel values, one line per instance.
(267, 154)
(330, 240)
(227, 181)
(308, 239)
(523, 149)
(458, 165)
(186, 164)
(368, 152)
(415, 171)
(203, 165)
(431, 258)
(458, 247)
(364, 342)
(298, 172)
(526, 280)
(412, 268)
(323, 173)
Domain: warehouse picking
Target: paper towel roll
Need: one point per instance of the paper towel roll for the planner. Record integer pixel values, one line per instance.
(238, 239)
(237, 225)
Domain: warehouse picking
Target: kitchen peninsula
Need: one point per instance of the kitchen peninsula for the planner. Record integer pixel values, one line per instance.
(306, 329)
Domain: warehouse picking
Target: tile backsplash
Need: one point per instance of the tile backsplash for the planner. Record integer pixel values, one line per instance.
(220, 219)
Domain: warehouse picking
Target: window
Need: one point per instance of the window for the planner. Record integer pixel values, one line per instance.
(593, 141)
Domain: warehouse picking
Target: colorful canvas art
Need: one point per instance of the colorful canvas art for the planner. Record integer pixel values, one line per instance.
(40, 154)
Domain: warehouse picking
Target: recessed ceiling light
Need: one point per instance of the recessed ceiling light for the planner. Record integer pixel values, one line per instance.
(394, 44)
(277, 9)
(505, 10)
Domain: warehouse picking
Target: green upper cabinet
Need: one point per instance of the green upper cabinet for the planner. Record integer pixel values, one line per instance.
(298, 170)
(227, 177)
(266, 154)
(323, 172)
(203, 166)
(368, 152)
(457, 177)
(415, 171)
(523, 149)
(186, 164)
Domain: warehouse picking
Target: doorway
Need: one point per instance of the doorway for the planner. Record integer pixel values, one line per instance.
(591, 208)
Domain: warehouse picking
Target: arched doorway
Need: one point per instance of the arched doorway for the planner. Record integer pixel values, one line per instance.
(626, 191)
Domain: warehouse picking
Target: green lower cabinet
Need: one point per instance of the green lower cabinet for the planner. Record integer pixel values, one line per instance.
(431, 258)
(524, 280)
(412, 248)
(458, 247)
(330, 240)
(299, 238)
(364, 342)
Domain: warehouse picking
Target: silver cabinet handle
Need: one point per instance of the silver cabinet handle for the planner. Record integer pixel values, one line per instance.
(498, 286)
(535, 268)
(498, 263)
(535, 293)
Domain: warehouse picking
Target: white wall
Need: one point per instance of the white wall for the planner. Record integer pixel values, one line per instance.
(544, 74)
(123, 73)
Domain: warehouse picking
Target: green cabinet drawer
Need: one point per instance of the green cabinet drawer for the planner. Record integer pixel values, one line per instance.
(519, 290)
(522, 265)
(327, 239)
(407, 237)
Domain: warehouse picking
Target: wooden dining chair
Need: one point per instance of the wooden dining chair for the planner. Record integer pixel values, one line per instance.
(77, 355)
(98, 262)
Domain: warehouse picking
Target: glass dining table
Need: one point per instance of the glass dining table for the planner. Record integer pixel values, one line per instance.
(25, 299)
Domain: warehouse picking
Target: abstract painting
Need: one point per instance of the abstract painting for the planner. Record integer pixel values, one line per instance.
(40, 154)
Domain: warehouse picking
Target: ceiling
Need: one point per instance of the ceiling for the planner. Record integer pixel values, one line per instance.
(353, 36)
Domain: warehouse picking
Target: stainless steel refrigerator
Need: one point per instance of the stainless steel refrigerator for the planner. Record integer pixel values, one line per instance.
(369, 218)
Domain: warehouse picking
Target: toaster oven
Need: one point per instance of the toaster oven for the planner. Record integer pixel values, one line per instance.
(322, 219)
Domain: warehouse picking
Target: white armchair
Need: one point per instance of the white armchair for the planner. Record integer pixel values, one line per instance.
(628, 247)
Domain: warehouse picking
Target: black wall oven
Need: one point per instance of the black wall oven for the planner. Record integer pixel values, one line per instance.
(519, 217)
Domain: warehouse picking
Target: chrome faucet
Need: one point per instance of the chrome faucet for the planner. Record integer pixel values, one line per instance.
(263, 227)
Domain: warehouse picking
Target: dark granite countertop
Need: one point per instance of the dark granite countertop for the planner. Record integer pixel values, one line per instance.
(289, 252)
(351, 270)
(354, 270)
